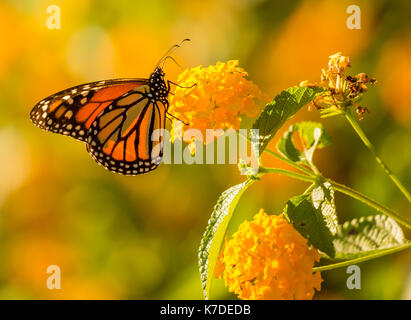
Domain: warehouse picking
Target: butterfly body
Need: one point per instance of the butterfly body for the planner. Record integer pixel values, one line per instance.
(116, 118)
(121, 121)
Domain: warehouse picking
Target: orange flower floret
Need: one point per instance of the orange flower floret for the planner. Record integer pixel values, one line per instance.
(214, 97)
(268, 259)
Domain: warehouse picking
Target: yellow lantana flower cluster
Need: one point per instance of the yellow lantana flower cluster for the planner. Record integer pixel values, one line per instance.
(214, 97)
(268, 259)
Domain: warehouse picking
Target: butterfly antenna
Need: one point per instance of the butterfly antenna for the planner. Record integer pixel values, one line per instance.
(170, 57)
(169, 51)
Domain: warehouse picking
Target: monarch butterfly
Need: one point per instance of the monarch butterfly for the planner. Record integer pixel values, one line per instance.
(115, 118)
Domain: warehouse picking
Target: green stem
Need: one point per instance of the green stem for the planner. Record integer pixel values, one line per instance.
(343, 189)
(362, 259)
(263, 170)
(315, 169)
(354, 123)
(368, 201)
(284, 159)
(290, 162)
(310, 188)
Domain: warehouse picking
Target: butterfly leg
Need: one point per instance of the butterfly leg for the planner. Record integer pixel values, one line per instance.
(177, 85)
(169, 91)
(170, 115)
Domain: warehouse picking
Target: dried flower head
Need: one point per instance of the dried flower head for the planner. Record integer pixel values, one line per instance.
(268, 259)
(337, 63)
(344, 91)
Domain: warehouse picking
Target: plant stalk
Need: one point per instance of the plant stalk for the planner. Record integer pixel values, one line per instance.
(290, 162)
(354, 123)
(343, 189)
(362, 259)
(370, 202)
(263, 170)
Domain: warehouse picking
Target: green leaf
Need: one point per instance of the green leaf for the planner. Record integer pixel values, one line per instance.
(312, 135)
(286, 146)
(322, 198)
(215, 232)
(367, 235)
(277, 112)
(314, 216)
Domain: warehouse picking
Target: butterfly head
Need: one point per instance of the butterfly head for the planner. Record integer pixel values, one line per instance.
(157, 83)
(158, 73)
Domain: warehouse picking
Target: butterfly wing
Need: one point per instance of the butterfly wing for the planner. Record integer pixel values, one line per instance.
(120, 137)
(71, 112)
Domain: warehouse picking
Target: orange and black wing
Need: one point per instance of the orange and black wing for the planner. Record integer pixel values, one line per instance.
(72, 111)
(127, 136)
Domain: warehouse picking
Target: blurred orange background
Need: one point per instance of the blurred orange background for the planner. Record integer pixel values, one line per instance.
(117, 237)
